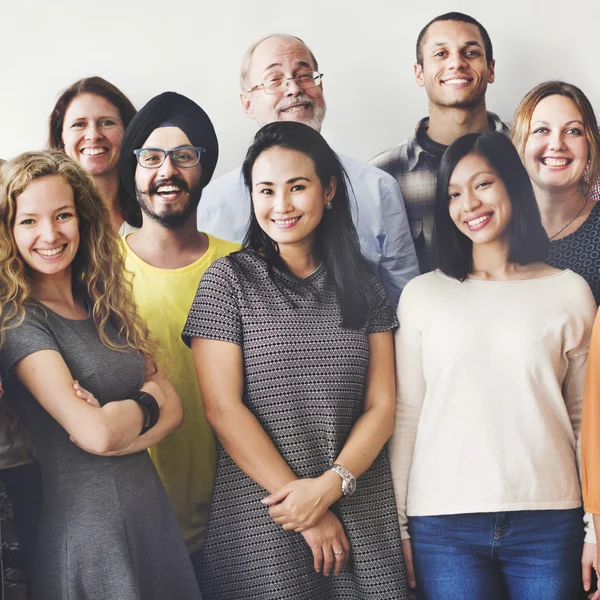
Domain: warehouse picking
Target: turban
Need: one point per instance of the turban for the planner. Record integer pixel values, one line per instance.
(169, 109)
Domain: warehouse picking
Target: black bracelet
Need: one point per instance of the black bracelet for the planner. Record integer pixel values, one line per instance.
(149, 405)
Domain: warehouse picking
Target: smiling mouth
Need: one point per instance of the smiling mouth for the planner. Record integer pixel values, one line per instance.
(51, 252)
(479, 222)
(168, 192)
(457, 81)
(555, 162)
(94, 151)
(296, 108)
(285, 223)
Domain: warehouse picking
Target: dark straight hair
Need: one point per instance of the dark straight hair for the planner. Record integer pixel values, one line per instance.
(336, 240)
(528, 242)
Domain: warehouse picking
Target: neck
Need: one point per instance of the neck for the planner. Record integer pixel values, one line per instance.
(108, 184)
(168, 248)
(299, 259)
(558, 206)
(447, 124)
(490, 261)
(56, 288)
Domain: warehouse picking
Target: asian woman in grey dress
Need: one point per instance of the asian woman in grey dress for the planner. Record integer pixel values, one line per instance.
(77, 366)
(292, 343)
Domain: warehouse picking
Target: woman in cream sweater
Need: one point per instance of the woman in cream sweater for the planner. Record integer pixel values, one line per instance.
(491, 355)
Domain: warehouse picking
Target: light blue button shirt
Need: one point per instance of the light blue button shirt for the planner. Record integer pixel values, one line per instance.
(377, 208)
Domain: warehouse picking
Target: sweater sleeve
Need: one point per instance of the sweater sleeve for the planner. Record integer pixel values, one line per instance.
(590, 429)
(410, 393)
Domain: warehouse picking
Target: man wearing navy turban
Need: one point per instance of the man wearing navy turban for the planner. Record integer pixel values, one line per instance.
(168, 155)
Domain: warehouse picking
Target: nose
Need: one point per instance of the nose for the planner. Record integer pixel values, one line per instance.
(92, 132)
(471, 201)
(293, 89)
(282, 203)
(556, 140)
(49, 231)
(167, 169)
(456, 60)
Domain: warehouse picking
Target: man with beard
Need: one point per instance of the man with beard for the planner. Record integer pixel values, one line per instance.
(455, 63)
(280, 81)
(168, 154)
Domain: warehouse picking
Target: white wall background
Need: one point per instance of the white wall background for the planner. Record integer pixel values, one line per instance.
(365, 48)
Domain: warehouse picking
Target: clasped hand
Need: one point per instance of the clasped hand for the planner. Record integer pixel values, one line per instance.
(300, 504)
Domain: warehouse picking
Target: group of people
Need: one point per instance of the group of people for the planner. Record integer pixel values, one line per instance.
(311, 377)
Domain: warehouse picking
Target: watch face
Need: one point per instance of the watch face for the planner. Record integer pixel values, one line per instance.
(350, 486)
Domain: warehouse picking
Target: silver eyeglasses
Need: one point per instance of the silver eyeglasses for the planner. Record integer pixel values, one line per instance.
(185, 157)
(275, 84)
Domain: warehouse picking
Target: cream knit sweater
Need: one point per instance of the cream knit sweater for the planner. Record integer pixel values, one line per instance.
(490, 384)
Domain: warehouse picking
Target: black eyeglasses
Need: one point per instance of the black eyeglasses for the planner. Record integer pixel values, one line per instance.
(185, 157)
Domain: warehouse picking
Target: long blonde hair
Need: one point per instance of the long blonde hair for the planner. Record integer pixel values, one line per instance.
(522, 122)
(98, 269)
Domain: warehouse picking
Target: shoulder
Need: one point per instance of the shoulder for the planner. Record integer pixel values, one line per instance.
(574, 289)
(392, 158)
(220, 247)
(235, 266)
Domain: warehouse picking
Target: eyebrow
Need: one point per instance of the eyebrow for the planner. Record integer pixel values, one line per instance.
(66, 206)
(292, 180)
(567, 123)
(96, 118)
(470, 43)
(300, 63)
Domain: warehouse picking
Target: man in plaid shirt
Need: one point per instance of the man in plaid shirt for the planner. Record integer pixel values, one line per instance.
(454, 64)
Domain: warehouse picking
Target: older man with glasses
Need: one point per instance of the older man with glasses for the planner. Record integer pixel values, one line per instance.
(280, 80)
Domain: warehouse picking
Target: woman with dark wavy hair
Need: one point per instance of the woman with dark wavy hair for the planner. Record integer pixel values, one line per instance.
(78, 368)
(490, 362)
(292, 343)
(88, 122)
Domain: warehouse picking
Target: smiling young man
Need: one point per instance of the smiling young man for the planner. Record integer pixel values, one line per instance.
(169, 153)
(280, 81)
(455, 64)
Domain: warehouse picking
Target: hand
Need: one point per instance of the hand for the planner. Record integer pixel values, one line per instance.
(85, 395)
(301, 503)
(329, 545)
(152, 388)
(1, 390)
(589, 561)
(410, 568)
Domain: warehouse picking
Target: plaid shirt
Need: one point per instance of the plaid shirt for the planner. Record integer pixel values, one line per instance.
(410, 164)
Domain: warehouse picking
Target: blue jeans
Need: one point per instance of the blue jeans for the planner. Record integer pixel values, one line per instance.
(520, 555)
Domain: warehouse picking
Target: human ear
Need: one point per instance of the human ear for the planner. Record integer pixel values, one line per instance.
(330, 190)
(418, 70)
(492, 71)
(247, 104)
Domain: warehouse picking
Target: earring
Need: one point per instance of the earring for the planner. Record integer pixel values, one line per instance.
(328, 205)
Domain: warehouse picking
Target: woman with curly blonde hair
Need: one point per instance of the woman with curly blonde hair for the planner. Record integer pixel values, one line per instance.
(78, 367)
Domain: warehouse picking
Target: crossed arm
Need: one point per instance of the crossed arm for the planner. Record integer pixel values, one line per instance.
(110, 429)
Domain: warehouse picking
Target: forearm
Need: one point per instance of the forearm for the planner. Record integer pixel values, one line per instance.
(366, 440)
(250, 447)
(171, 417)
(121, 423)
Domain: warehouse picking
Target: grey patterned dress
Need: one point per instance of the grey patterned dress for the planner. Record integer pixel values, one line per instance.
(107, 529)
(304, 377)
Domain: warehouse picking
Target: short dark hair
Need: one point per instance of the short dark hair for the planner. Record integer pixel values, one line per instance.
(461, 18)
(336, 240)
(528, 241)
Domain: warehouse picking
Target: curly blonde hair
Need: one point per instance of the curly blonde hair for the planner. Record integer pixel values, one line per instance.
(98, 269)
(522, 122)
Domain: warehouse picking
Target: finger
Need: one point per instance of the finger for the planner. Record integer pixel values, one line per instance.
(347, 550)
(318, 558)
(278, 496)
(276, 511)
(328, 560)
(339, 555)
(586, 574)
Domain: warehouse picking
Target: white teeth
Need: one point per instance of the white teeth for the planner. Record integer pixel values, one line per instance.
(295, 108)
(555, 162)
(167, 189)
(52, 252)
(478, 221)
(455, 81)
(285, 221)
(94, 151)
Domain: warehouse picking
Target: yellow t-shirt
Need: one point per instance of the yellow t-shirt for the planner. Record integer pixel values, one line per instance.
(186, 458)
